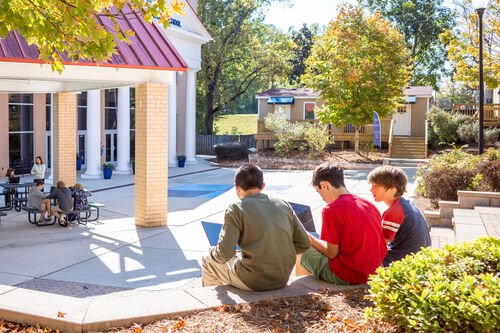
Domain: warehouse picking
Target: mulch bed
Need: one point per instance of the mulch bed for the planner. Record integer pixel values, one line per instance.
(301, 161)
(320, 312)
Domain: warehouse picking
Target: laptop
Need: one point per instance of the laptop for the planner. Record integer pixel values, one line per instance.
(14, 180)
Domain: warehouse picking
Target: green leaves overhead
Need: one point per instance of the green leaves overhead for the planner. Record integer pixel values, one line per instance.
(359, 65)
(72, 27)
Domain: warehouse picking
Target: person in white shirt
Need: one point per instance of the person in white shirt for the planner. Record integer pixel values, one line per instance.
(38, 169)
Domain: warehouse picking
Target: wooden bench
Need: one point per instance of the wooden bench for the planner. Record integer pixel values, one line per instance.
(32, 217)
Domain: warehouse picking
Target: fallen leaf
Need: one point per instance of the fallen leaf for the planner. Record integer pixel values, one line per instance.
(136, 328)
(60, 314)
(179, 325)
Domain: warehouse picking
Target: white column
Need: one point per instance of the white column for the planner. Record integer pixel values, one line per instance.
(190, 130)
(172, 121)
(93, 137)
(50, 180)
(123, 128)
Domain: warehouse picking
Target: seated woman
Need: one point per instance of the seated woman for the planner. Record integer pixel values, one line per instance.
(80, 195)
(8, 192)
(37, 199)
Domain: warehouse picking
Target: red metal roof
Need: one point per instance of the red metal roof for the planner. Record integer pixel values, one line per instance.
(149, 47)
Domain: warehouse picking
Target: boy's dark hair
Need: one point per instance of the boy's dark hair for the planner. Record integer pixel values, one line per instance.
(60, 184)
(249, 176)
(39, 182)
(329, 172)
(389, 177)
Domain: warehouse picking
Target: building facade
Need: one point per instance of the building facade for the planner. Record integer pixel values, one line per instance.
(106, 117)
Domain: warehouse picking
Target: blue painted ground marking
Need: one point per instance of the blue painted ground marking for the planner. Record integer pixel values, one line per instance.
(207, 191)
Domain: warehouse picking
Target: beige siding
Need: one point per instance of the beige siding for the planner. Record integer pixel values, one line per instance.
(418, 116)
(296, 109)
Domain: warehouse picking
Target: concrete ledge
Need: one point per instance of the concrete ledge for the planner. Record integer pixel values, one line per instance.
(123, 309)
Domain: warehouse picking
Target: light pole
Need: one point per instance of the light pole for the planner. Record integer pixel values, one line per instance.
(480, 8)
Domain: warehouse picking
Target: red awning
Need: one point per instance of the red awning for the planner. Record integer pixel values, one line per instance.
(149, 47)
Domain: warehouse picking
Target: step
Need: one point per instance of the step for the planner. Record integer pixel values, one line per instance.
(468, 225)
(446, 208)
(434, 219)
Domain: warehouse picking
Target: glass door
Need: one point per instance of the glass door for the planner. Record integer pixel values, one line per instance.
(81, 146)
(110, 148)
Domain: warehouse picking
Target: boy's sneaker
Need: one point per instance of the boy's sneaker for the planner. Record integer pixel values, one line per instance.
(46, 216)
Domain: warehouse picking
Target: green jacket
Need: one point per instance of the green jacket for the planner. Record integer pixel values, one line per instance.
(269, 235)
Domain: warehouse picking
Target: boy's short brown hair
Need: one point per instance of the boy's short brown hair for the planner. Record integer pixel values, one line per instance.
(389, 177)
(329, 172)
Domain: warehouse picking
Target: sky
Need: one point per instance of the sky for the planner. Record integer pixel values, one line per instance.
(302, 11)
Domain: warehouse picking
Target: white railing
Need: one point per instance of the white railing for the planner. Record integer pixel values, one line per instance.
(426, 136)
(390, 137)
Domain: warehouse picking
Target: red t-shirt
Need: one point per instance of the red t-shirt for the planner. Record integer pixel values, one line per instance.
(354, 224)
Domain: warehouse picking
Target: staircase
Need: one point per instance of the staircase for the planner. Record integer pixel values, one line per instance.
(408, 147)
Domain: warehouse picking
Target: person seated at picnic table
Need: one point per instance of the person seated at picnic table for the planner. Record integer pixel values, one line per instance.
(268, 232)
(80, 196)
(8, 192)
(64, 201)
(37, 199)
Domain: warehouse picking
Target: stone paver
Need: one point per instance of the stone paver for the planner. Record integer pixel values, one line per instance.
(111, 273)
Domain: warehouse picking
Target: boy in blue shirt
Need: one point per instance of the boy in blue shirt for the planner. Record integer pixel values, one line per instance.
(404, 227)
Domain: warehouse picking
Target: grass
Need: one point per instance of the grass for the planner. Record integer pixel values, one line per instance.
(236, 124)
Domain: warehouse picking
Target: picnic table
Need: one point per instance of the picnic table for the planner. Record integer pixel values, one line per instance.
(17, 198)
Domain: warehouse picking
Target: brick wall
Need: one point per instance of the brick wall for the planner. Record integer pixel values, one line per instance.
(4, 134)
(151, 154)
(64, 124)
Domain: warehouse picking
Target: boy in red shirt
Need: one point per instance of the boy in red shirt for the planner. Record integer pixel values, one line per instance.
(352, 245)
(403, 225)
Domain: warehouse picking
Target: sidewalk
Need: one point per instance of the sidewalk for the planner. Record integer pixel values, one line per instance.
(112, 273)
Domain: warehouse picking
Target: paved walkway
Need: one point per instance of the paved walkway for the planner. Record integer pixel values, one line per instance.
(111, 273)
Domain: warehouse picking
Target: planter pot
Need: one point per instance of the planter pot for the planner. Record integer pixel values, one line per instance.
(107, 173)
(181, 161)
(78, 164)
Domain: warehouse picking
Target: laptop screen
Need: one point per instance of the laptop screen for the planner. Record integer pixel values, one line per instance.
(14, 180)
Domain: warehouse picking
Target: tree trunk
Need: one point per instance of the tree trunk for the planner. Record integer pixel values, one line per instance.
(209, 114)
(356, 139)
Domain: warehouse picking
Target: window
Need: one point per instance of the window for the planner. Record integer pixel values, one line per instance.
(48, 103)
(110, 108)
(81, 105)
(309, 110)
(21, 130)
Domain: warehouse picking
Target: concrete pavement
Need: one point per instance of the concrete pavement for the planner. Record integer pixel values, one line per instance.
(111, 273)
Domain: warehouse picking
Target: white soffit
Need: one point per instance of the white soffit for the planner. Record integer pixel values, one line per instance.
(28, 77)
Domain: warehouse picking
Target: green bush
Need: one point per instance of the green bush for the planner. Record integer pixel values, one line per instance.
(302, 136)
(468, 132)
(443, 127)
(452, 289)
(491, 136)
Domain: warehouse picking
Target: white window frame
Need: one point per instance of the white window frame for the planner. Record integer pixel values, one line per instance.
(304, 110)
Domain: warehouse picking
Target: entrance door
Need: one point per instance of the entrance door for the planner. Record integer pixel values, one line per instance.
(81, 146)
(110, 147)
(402, 120)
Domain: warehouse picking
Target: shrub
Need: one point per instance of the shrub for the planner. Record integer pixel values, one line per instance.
(490, 172)
(491, 135)
(452, 289)
(300, 136)
(455, 158)
(443, 127)
(468, 132)
(443, 183)
(492, 154)
(233, 151)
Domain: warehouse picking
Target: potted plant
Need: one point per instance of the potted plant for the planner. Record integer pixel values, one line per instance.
(181, 160)
(107, 170)
(78, 162)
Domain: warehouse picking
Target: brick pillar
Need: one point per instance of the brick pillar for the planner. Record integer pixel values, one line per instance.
(151, 154)
(4, 134)
(64, 124)
(40, 131)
